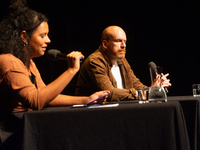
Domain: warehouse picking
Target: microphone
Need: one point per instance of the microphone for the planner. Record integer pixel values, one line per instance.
(54, 54)
(152, 66)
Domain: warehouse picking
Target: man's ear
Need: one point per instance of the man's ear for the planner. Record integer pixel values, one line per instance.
(104, 44)
(23, 36)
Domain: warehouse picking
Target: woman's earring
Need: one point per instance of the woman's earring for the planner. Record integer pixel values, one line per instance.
(26, 43)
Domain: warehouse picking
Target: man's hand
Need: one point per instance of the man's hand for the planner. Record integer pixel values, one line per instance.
(161, 80)
(164, 81)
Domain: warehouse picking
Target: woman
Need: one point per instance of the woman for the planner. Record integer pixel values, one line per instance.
(23, 36)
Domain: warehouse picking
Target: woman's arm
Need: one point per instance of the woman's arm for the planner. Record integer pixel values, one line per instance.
(51, 91)
(65, 100)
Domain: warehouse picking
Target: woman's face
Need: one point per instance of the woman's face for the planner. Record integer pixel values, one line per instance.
(39, 40)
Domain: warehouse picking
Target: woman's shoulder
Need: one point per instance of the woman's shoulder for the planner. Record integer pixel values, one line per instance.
(7, 57)
(9, 61)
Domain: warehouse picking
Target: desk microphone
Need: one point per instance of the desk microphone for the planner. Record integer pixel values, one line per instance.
(54, 54)
(154, 70)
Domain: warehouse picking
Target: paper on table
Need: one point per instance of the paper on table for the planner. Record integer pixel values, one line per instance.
(105, 105)
(96, 105)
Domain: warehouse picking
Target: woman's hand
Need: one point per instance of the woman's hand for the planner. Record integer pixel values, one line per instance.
(73, 59)
(97, 95)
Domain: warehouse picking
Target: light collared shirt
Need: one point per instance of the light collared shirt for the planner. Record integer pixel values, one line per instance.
(117, 74)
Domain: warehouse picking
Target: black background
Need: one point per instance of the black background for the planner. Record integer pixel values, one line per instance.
(166, 33)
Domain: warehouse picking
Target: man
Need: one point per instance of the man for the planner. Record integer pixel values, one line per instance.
(108, 69)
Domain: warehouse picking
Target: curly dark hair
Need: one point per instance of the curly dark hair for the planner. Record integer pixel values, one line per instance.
(20, 18)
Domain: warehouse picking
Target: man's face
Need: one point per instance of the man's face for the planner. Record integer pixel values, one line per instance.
(116, 45)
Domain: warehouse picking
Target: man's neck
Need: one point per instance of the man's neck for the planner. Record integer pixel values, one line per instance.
(113, 62)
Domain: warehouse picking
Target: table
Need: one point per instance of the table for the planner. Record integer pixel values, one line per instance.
(157, 126)
(191, 109)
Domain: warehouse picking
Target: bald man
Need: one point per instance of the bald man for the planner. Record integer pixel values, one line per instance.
(108, 69)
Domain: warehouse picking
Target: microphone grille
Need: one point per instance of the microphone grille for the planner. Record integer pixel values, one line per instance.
(52, 54)
(152, 65)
